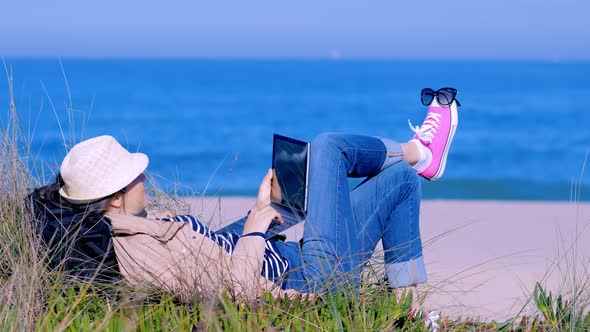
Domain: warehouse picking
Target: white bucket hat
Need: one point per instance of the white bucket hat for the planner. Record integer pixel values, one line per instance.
(99, 167)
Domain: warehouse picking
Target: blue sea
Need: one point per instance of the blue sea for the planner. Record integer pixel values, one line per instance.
(207, 125)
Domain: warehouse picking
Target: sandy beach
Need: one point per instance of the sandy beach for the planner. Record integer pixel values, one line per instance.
(483, 257)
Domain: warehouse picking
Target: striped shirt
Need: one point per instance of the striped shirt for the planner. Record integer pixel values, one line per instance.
(273, 264)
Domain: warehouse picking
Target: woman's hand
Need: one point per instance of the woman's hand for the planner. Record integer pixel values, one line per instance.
(263, 198)
(262, 215)
(260, 220)
(275, 189)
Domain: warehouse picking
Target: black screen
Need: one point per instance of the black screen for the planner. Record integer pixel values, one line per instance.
(290, 165)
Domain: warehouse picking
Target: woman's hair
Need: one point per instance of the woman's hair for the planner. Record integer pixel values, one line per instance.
(78, 236)
(52, 192)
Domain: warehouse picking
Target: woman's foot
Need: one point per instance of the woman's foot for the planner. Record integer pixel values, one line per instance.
(434, 139)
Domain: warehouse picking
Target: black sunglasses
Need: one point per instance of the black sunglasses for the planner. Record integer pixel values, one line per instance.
(444, 96)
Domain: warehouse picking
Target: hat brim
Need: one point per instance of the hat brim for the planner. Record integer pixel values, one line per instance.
(139, 164)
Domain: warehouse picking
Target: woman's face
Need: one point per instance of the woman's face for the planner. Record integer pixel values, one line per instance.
(135, 198)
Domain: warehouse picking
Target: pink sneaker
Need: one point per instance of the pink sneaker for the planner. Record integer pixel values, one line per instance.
(436, 134)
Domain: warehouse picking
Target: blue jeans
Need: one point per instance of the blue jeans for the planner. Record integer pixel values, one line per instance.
(342, 228)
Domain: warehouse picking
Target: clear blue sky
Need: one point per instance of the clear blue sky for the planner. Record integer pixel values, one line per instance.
(462, 29)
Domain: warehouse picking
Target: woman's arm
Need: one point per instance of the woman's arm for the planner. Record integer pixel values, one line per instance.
(173, 256)
(246, 260)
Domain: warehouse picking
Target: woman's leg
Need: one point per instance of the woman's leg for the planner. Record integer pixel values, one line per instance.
(336, 239)
(333, 239)
(388, 207)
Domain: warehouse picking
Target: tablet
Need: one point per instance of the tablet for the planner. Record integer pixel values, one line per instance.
(290, 162)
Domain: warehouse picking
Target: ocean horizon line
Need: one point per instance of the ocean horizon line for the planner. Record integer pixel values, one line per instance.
(454, 199)
(446, 189)
(506, 60)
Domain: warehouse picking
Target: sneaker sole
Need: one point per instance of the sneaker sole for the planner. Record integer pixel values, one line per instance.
(443, 162)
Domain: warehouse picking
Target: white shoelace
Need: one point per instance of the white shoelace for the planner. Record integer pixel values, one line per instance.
(428, 129)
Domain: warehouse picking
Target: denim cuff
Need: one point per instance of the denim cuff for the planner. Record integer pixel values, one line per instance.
(395, 153)
(406, 274)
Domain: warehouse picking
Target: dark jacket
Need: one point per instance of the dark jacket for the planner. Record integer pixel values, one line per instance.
(79, 241)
